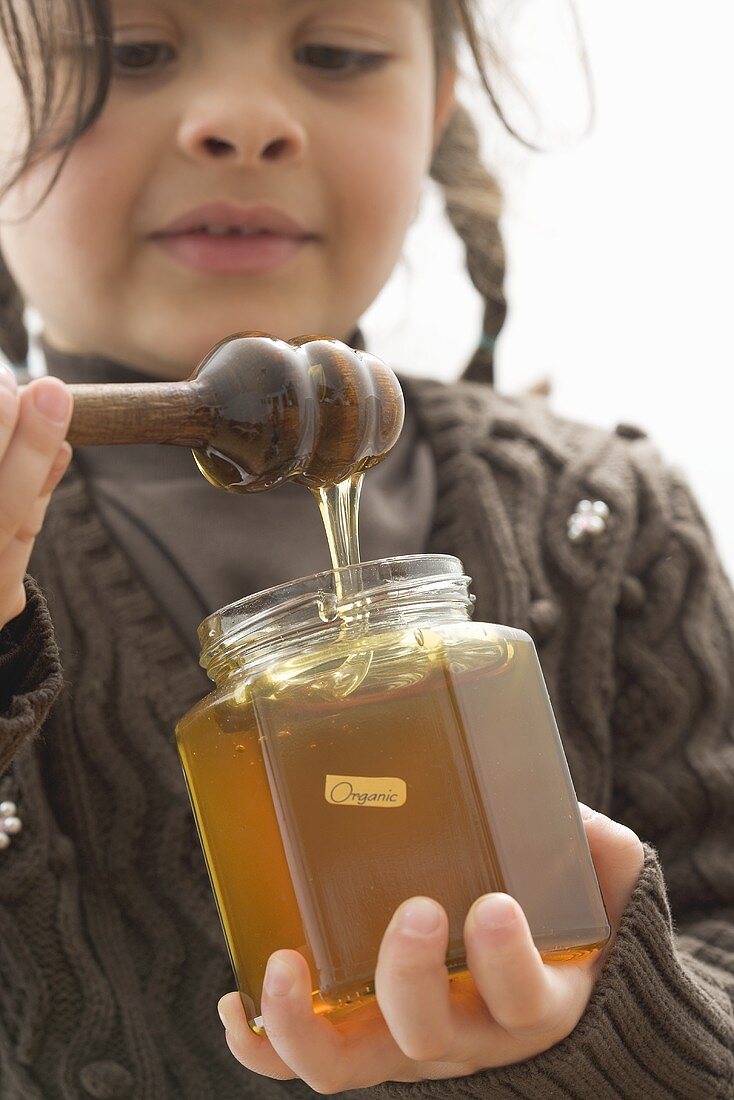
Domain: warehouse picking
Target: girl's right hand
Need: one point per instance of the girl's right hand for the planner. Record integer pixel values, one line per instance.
(33, 458)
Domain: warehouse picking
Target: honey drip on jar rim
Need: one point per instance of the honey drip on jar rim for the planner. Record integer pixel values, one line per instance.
(339, 508)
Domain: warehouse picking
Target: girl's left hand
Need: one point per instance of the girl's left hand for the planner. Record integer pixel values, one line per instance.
(515, 1007)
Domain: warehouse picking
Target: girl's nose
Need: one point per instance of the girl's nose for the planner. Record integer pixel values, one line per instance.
(241, 131)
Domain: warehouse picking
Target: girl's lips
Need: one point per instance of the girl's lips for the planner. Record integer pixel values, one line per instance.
(230, 254)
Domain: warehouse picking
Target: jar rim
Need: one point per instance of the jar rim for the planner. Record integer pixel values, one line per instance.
(299, 597)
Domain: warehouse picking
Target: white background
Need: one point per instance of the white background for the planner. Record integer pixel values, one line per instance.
(620, 245)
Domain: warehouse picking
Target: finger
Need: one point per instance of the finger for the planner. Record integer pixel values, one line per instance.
(523, 995)
(253, 1051)
(9, 405)
(45, 410)
(411, 980)
(358, 1052)
(16, 555)
(618, 857)
(312, 1046)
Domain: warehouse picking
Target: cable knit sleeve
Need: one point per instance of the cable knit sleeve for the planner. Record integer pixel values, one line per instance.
(660, 1023)
(30, 674)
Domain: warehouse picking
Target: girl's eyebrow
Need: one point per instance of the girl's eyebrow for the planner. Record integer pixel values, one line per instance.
(123, 4)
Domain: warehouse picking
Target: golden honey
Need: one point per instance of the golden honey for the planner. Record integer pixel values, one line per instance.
(352, 757)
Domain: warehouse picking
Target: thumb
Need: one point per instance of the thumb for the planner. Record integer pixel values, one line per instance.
(618, 856)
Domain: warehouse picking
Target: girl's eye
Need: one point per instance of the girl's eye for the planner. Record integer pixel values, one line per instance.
(132, 58)
(334, 61)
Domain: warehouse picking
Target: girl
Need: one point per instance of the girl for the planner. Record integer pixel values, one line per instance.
(141, 142)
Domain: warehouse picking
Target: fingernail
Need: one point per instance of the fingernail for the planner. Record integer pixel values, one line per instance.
(419, 918)
(52, 401)
(495, 911)
(278, 977)
(7, 377)
(586, 811)
(222, 1016)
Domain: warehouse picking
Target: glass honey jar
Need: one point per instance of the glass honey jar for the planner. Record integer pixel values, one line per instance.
(367, 742)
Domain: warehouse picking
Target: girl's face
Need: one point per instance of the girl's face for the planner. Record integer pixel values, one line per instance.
(326, 110)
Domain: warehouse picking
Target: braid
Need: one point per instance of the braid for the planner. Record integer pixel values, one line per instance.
(13, 336)
(474, 204)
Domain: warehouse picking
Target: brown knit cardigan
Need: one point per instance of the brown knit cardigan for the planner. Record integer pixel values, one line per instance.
(112, 958)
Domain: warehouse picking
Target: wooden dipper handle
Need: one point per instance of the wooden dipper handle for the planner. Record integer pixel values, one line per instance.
(139, 412)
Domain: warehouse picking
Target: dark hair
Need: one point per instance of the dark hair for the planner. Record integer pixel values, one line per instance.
(59, 113)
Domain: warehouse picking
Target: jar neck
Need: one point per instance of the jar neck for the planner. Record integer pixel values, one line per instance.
(334, 606)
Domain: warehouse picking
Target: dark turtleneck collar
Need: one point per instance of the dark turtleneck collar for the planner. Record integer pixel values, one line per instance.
(89, 369)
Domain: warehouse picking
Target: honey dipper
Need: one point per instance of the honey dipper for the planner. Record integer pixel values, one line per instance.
(256, 411)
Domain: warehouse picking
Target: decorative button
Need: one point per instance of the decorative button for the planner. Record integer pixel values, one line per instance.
(10, 823)
(106, 1080)
(589, 520)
